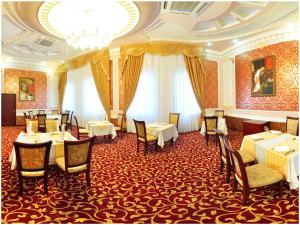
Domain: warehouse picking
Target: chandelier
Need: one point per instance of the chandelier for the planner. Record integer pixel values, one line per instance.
(88, 24)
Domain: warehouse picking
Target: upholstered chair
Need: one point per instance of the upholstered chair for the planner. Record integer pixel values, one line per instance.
(219, 113)
(69, 122)
(41, 121)
(143, 137)
(292, 125)
(174, 119)
(34, 125)
(52, 125)
(41, 112)
(32, 161)
(54, 112)
(252, 177)
(211, 124)
(226, 160)
(81, 132)
(76, 159)
(30, 113)
(121, 125)
(64, 119)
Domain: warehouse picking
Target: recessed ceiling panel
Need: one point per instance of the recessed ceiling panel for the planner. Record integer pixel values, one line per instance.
(9, 28)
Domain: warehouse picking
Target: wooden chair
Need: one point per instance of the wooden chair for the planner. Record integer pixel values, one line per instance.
(219, 113)
(30, 113)
(76, 159)
(80, 132)
(211, 125)
(41, 112)
(54, 112)
(292, 125)
(120, 126)
(52, 125)
(143, 137)
(67, 112)
(32, 161)
(226, 160)
(252, 177)
(26, 116)
(174, 119)
(34, 125)
(41, 122)
(64, 120)
(69, 122)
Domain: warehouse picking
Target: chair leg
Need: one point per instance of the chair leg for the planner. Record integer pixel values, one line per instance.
(235, 184)
(46, 184)
(21, 184)
(206, 137)
(280, 187)
(172, 141)
(216, 142)
(138, 146)
(228, 174)
(245, 196)
(156, 145)
(146, 147)
(222, 166)
(88, 178)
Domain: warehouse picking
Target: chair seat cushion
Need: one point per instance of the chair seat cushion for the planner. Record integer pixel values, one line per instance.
(61, 164)
(33, 173)
(83, 131)
(247, 157)
(149, 138)
(261, 175)
(211, 133)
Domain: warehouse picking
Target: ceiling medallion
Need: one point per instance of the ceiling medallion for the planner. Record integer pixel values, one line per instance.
(88, 24)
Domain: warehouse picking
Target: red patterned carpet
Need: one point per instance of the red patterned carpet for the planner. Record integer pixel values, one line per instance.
(181, 184)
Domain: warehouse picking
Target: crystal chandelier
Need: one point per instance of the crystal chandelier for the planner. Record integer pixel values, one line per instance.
(88, 24)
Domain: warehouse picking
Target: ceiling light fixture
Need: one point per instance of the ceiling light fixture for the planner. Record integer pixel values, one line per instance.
(209, 44)
(88, 24)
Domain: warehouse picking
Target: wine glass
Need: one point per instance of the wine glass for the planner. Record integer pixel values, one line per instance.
(266, 128)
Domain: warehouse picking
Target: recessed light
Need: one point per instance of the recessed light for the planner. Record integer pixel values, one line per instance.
(235, 41)
(290, 26)
(209, 44)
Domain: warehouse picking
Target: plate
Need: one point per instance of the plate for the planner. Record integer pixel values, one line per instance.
(255, 137)
(163, 123)
(283, 148)
(59, 141)
(275, 132)
(153, 126)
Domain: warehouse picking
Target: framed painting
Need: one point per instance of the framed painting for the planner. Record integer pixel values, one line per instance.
(263, 77)
(26, 89)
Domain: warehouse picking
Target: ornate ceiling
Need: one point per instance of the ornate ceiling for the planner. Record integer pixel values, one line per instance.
(218, 23)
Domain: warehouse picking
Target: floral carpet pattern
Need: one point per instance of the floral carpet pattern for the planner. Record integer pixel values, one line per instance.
(178, 184)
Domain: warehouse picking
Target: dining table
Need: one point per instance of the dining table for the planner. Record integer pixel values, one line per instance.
(221, 126)
(278, 150)
(101, 128)
(57, 147)
(163, 131)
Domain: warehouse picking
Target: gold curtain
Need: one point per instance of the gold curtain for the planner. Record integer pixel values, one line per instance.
(196, 73)
(131, 75)
(99, 61)
(193, 54)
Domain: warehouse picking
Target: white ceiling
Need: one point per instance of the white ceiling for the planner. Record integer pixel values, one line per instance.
(199, 22)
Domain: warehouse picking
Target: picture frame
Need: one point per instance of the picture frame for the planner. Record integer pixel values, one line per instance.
(263, 77)
(26, 89)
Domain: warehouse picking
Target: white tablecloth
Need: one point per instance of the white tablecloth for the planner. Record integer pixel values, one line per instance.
(221, 126)
(50, 116)
(41, 137)
(163, 131)
(98, 128)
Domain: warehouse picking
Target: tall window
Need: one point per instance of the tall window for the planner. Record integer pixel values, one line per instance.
(81, 96)
(164, 86)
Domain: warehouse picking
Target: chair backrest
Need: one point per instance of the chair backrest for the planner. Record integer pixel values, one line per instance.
(32, 157)
(25, 116)
(219, 113)
(71, 117)
(174, 119)
(78, 153)
(292, 125)
(67, 111)
(238, 165)
(225, 155)
(51, 125)
(41, 119)
(64, 118)
(211, 123)
(140, 128)
(34, 125)
(54, 112)
(30, 114)
(77, 127)
(41, 112)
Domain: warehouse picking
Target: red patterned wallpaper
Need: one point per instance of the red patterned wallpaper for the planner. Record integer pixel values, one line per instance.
(11, 85)
(211, 84)
(287, 75)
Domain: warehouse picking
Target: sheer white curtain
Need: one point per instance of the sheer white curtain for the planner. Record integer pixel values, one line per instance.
(164, 86)
(81, 96)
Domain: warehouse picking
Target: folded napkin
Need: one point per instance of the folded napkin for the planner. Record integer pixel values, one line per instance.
(256, 137)
(284, 149)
